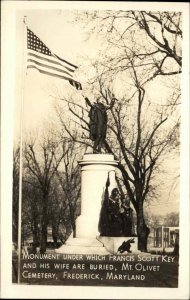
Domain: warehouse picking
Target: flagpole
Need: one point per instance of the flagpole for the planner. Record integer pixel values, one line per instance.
(21, 158)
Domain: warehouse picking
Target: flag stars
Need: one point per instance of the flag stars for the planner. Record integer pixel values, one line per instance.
(34, 43)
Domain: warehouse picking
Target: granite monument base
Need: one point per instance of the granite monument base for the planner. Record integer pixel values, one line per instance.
(83, 246)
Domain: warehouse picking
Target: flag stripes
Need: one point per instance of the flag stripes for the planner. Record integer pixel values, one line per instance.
(48, 73)
(33, 55)
(66, 61)
(49, 67)
(42, 59)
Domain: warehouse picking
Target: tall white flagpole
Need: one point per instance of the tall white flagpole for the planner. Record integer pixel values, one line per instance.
(21, 152)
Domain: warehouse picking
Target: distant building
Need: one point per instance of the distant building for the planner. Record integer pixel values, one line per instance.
(165, 237)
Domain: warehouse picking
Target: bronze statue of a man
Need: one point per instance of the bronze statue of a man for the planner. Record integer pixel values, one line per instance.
(98, 123)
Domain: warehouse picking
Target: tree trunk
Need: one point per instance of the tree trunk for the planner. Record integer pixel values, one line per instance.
(43, 236)
(35, 236)
(43, 242)
(73, 223)
(74, 229)
(142, 230)
(55, 229)
(72, 216)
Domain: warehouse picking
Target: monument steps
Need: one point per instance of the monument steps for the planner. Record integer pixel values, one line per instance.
(84, 242)
(82, 250)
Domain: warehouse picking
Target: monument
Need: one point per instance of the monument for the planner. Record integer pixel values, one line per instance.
(93, 234)
(98, 123)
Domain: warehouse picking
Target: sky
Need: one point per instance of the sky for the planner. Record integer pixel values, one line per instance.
(67, 39)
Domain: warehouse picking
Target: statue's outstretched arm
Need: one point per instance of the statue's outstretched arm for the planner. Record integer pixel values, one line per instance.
(88, 102)
(108, 181)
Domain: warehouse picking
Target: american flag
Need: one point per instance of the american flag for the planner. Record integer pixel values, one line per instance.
(41, 58)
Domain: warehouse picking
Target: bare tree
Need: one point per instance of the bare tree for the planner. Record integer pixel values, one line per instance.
(31, 208)
(172, 219)
(42, 161)
(30, 202)
(153, 220)
(151, 39)
(69, 180)
(139, 135)
(140, 49)
(138, 151)
(141, 46)
(57, 212)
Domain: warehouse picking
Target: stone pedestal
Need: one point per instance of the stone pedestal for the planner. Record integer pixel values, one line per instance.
(94, 173)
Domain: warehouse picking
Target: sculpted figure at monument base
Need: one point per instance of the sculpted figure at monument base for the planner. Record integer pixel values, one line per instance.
(116, 216)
